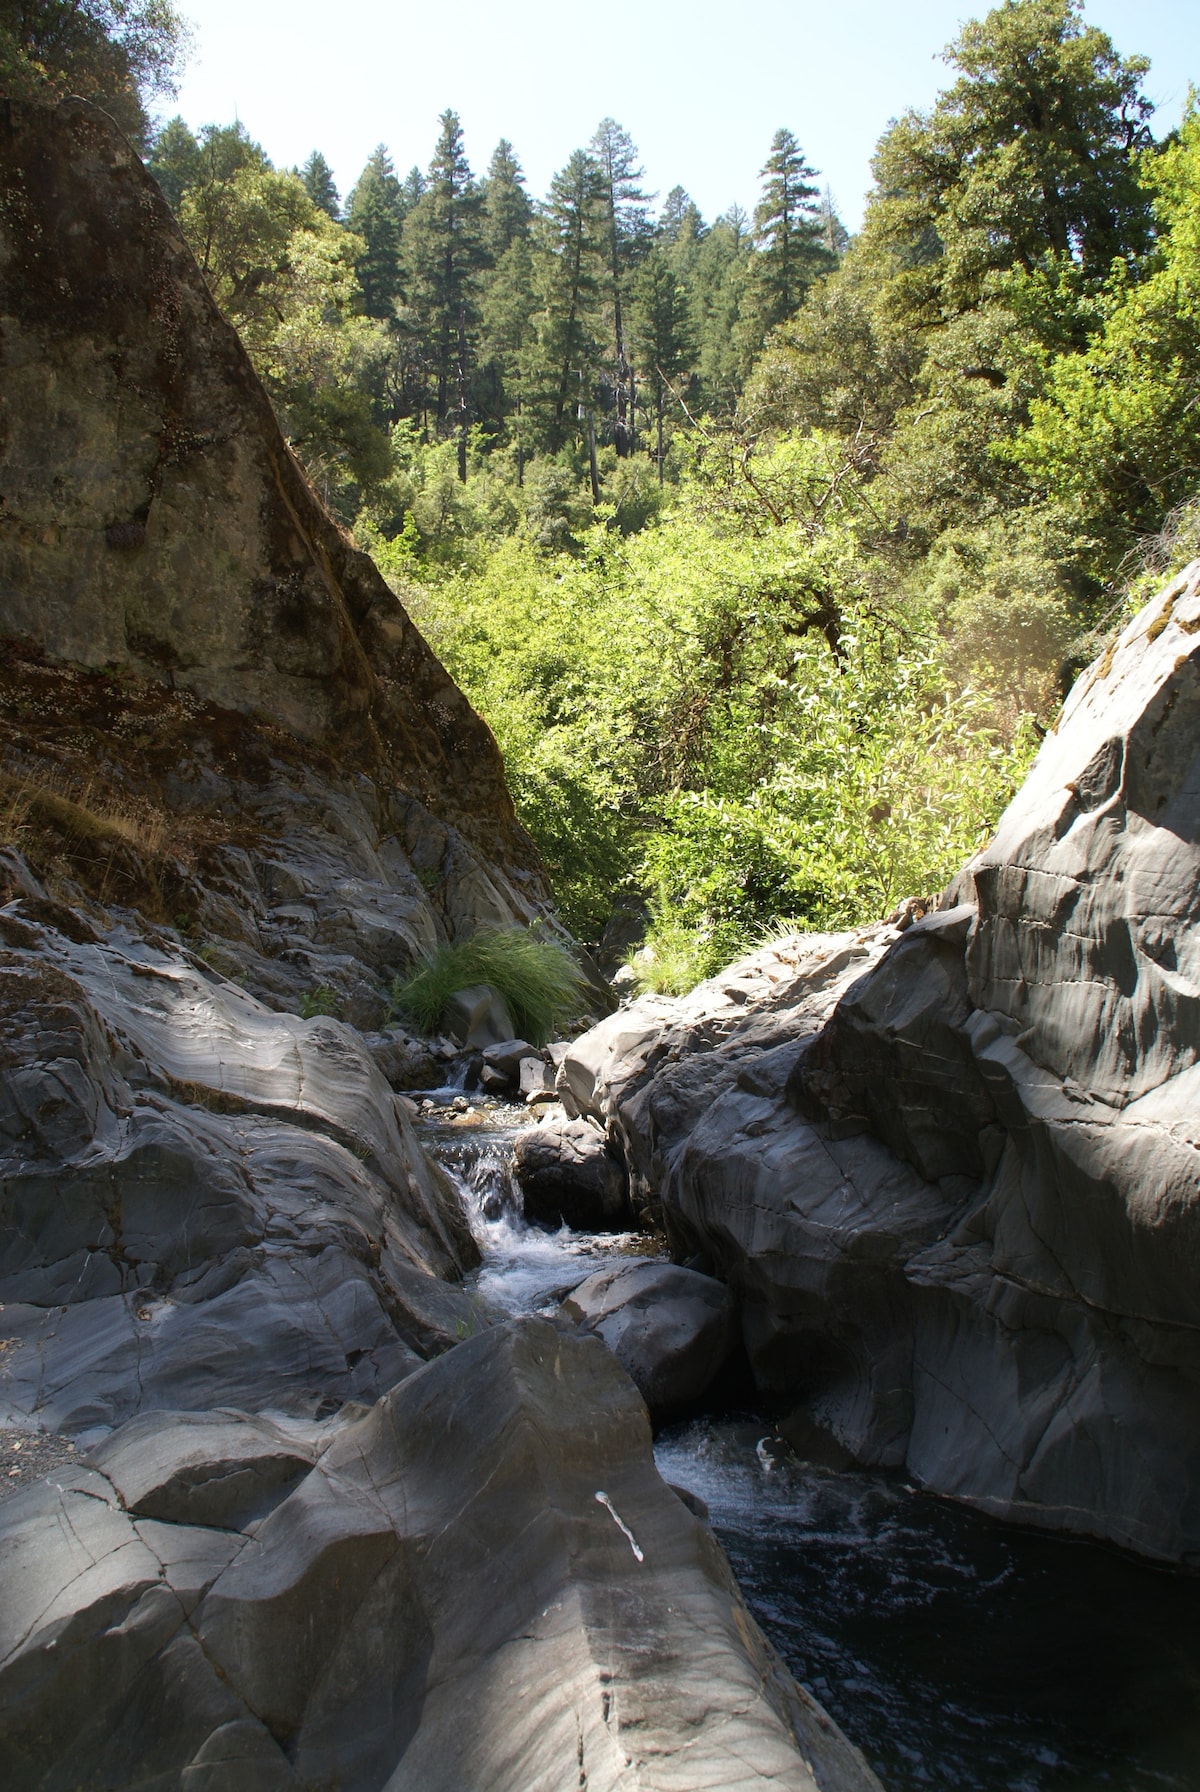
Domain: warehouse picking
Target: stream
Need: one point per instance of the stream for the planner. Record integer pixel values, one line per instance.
(960, 1654)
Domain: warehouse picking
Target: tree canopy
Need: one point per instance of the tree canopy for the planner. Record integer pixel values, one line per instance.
(119, 53)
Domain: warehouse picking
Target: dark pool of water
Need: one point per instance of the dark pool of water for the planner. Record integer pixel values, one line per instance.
(961, 1655)
(955, 1651)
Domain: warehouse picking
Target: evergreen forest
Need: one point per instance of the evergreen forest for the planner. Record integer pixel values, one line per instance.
(767, 553)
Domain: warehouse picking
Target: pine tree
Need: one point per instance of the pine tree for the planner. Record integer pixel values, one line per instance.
(412, 188)
(661, 334)
(507, 212)
(444, 253)
(717, 291)
(568, 268)
(374, 213)
(317, 176)
(787, 233)
(174, 161)
(624, 209)
(508, 361)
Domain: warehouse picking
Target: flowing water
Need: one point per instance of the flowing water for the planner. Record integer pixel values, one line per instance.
(961, 1655)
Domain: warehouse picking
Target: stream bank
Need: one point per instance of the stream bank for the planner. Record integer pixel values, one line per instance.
(958, 1653)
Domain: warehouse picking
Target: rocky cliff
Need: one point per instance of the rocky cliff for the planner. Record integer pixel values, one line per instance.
(953, 1174)
(216, 710)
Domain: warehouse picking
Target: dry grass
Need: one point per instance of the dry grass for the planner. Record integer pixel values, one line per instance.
(28, 807)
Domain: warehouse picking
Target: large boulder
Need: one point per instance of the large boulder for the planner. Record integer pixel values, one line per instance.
(483, 1582)
(568, 1177)
(671, 1329)
(961, 1209)
(214, 708)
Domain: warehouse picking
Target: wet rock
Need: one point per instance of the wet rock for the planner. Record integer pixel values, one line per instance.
(506, 1057)
(204, 1605)
(534, 1077)
(568, 1176)
(670, 1329)
(405, 1063)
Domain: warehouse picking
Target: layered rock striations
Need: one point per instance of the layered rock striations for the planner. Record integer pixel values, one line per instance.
(482, 1582)
(961, 1209)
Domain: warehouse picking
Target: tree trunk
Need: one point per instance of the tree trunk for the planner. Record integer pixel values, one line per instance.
(591, 442)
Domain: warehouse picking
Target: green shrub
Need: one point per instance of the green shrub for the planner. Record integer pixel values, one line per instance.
(539, 980)
(319, 1001)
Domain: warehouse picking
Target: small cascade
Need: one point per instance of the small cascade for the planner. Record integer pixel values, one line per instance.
(525, 1269)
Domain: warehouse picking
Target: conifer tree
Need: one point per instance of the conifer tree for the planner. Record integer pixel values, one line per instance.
(412, 188)
(444, 253)
(508, 344)
(507, 211)
(374, 213)
(174, 161)
(624, 209)
(317, 176)
(661, 334)
(787, 233)
(717, 296)
(568, 270)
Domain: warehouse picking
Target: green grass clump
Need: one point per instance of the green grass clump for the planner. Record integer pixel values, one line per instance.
(540, 981)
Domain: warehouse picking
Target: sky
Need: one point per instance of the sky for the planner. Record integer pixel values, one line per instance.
(701, 86)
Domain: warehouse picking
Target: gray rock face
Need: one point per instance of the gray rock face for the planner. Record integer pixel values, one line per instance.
(246, 796)
(961, 1208)
(222, 1601)
(568, 1176)
(202, 1202)
(671, 1329)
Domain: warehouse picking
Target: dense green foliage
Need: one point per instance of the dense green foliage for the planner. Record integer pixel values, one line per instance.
(539, 980)
(690, 713)
(762, 551)
(117, 52)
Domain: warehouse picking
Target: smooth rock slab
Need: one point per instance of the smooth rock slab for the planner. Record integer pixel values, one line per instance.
(203, 1202)
(670, 1328)
(482, 1583)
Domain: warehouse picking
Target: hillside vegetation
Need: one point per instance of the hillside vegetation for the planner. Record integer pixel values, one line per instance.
(767, 554)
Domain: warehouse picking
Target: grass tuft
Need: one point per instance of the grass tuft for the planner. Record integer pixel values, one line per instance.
(540, 981)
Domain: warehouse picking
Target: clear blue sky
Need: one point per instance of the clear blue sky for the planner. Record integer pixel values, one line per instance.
(700, 86)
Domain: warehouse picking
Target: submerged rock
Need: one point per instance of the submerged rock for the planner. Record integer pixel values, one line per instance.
(223, 1601)
(671, 1329)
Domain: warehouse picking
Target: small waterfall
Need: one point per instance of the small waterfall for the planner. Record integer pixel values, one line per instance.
(525, 1268)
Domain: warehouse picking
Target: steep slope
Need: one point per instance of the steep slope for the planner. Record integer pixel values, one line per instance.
(190, 635)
